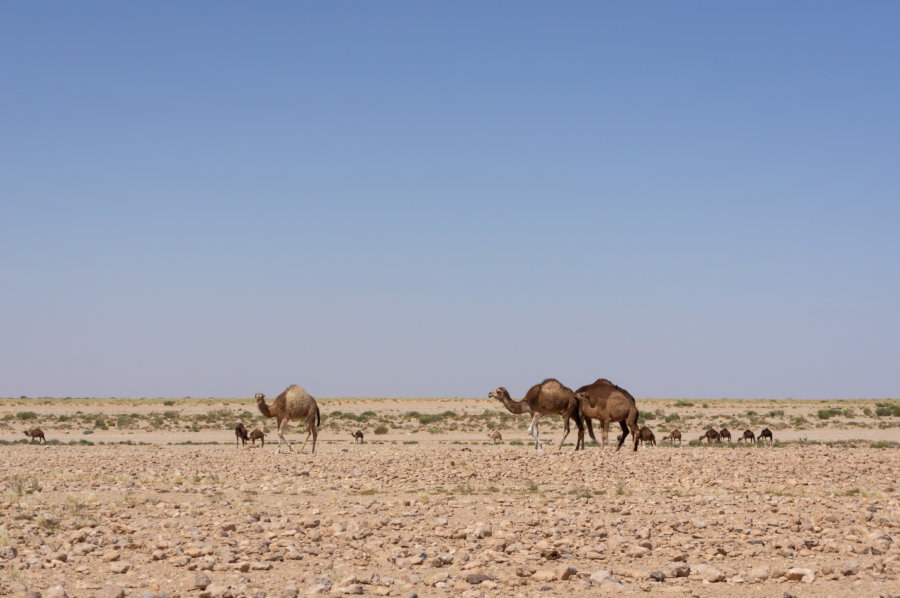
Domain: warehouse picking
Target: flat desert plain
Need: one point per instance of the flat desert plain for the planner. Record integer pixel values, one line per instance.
(149, 498)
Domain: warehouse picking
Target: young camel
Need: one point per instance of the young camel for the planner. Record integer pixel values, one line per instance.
(293, 403)
(240, 434)
(607, 402)
(496, 436)
(725, 434)
(357, 437)
(646, 435)
(36, 433)
(673, 436)
(748, 436)
(258, 434)
(710, 435)
(547, 398)
(766, 433)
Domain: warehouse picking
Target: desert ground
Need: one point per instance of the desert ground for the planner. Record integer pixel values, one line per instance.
(150, 497)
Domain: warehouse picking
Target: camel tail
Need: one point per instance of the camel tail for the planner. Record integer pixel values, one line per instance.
(318, 419)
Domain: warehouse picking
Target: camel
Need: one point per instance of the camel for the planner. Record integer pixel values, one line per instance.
(293, 403)
(607, 402)
(766, 433)
(673, 436)
(725, 434)
(748, 436)
(547, 398)
(258, 434)
(240, 434)
(36, 433)
(710, 435)
(357, 437)
(646, 435)
(496, 436)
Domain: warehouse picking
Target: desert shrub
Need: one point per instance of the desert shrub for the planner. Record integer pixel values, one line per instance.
(828, 413)
(867, 412)
(887, 409)
(170, 415)
(63, 418)
(799, 422)
(381, 430)
(429, 418)
(168, 403)
(672, 417)
(683, 404)
(775, 413)
(100, 423)
(26, 415)
(849, 412)
(123, 421)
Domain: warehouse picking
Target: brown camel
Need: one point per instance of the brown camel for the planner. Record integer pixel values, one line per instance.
(240, 434)
(646, 435)
(36, 433)
(293, 403)
(357, 437)
(725, 434)
(766, 433)
(673, 436)
(607, 402)
(547, 398)
(748, 436)
(496, 436)
(258, 434)
(710, 435)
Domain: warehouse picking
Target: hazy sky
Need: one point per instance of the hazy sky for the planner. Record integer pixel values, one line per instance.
(422, 199)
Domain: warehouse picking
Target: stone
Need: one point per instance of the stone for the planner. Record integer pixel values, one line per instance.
(758, 574)
(110, 591)
(709, 573)
(120, 567)
(800, 574)
(200, 581)
(56, 592)
(658, 576)
(544, 575)
(850, 567)
(8, 552)
(565, 572)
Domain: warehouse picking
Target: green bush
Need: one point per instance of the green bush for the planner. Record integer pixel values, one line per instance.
(381, 430)
(683, 404)
(672, 417)
(887, 409)
(828, 413)
(26, 415)
(100, 423)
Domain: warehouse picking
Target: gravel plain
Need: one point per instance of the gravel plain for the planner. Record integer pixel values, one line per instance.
(430, 517)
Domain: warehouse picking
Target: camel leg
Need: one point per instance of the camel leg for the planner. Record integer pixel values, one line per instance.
(624, 433)
(565, 433)
(590, 429)
(533, 430)
(282, 438)
(605, 431)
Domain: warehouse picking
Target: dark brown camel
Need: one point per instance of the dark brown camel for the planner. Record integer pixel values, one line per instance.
(748, 436)
(606, 402)
(550, 397)
(357, 437)
(725, 434)
(646, 435)
(258, 434)
(766, 433)
(673, 436)
(240, 434)
(710, 435)
(34, 434)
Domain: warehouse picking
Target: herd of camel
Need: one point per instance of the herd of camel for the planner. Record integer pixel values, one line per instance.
(601, 400)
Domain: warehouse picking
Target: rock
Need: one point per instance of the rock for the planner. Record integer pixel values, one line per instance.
(352, 589)
(8, 552)
(200, 581)
(600, 576)
(798, 574)
(544, 575)
(110, 591)
(758, 574)
(658, 576)
(289, 592)
(477, 578)
(850, 567)
(120, 567)
(679, 570)
(709, 573)
(56, 592)
(565, 572)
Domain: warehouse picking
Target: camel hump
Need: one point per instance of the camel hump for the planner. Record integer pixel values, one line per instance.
(552, 385)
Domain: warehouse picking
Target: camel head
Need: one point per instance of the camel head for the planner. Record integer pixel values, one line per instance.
(500, 394)
(260, 397)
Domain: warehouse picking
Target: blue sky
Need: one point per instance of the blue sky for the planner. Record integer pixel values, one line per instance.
(432, 200)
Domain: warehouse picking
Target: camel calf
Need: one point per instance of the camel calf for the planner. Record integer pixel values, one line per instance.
(646, 435)
(258, 434)
(710, 435)
(240, 434)
(496, 436)
(725, 434)
(357, 437)
(35, 433)
(673, 436)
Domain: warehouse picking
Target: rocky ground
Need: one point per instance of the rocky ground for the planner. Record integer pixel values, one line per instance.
(440, 519)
